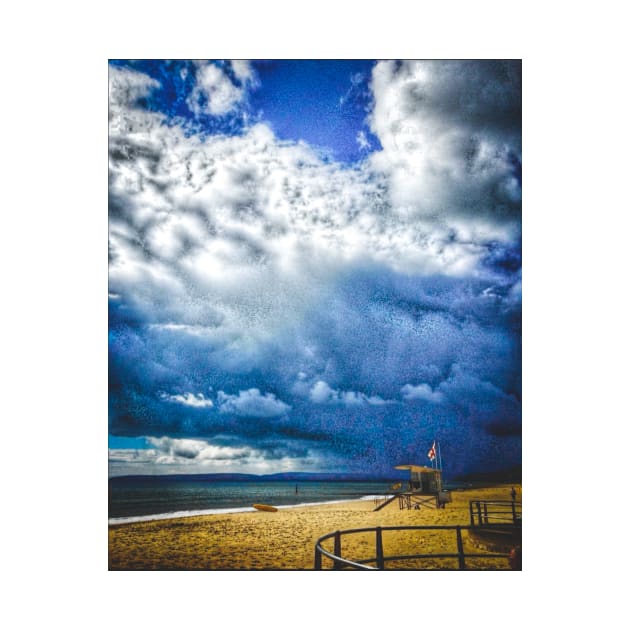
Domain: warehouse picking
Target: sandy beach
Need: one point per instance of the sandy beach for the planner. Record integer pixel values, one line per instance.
(286, 539)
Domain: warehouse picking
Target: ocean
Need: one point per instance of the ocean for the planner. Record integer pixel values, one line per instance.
(132, 500)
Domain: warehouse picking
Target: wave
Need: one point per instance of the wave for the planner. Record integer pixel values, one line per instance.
(231, 510)
(373, 497)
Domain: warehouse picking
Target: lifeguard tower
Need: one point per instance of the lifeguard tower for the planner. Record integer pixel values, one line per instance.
(423, 479)
(424, 485)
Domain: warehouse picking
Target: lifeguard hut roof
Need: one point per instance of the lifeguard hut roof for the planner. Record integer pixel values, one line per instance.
(415, 468)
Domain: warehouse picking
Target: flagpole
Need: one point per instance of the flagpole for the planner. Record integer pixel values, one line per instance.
(439, 455)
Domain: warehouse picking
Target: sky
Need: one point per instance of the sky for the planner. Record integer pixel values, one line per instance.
(314, 265)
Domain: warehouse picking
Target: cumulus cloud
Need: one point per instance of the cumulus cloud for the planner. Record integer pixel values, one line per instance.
(243, 70)
(182, 455)
(171, 449)
(278, 206)
(127, 87)
(214, 92)
(322, 393)
(252, 404)
(189, 399)
(421, 392)
(450, 133)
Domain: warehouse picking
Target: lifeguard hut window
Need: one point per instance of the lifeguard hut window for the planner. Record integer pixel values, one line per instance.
(416, 481)
(423, 479)
(431, 481)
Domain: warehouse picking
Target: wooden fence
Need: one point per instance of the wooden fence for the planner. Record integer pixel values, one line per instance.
(483, 513)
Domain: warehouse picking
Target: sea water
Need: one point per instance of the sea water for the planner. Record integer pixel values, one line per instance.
(155, 498)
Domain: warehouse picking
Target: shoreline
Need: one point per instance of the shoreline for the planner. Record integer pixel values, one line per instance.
(144, 518)
(285, 540)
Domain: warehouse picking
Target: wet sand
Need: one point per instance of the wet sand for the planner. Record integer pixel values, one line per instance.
(286, 539)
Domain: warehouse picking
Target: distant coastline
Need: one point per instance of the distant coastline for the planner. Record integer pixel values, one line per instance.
(510, 475)
(290, 476)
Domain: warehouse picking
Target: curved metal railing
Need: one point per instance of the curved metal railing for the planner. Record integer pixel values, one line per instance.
(380, 559)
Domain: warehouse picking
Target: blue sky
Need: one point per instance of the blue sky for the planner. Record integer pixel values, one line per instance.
(314, 265)
(293, 97)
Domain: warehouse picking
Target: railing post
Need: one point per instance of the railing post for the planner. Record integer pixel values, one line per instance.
(479, 511)
(485, 513)
(380, 563)
(472, 515)
(460, 549)
(337, 550)
(318, 558)
(513, 512)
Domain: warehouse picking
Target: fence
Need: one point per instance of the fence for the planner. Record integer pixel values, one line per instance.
(483, 513)
(380, 560)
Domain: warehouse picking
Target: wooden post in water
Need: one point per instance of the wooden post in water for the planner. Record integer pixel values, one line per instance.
(380, 563)
(460, 549)
(337, 550)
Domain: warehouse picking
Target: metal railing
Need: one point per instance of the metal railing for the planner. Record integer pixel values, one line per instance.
(380, 559)
(483, 513)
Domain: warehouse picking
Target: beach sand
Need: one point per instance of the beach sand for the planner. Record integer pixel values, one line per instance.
(286, 539)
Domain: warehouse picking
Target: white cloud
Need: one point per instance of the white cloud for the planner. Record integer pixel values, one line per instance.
(321, 393)
(276, 204)
(189, 399)
(220, 94)
(251, 403)
(421, 392)
(169, 450)
(362, 141)
(125, 88)
(448, 130)
(175, 455)
(135, 456)
(242, 69)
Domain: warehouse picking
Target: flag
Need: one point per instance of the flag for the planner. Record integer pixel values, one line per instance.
(431, 453)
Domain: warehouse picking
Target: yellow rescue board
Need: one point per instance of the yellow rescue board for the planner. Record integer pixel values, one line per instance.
(265, 508)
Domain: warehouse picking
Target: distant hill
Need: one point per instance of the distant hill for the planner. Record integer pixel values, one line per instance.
(288, 476)
(509, 475)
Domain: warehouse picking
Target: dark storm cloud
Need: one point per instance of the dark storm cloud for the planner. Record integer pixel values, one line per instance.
(426, 367)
